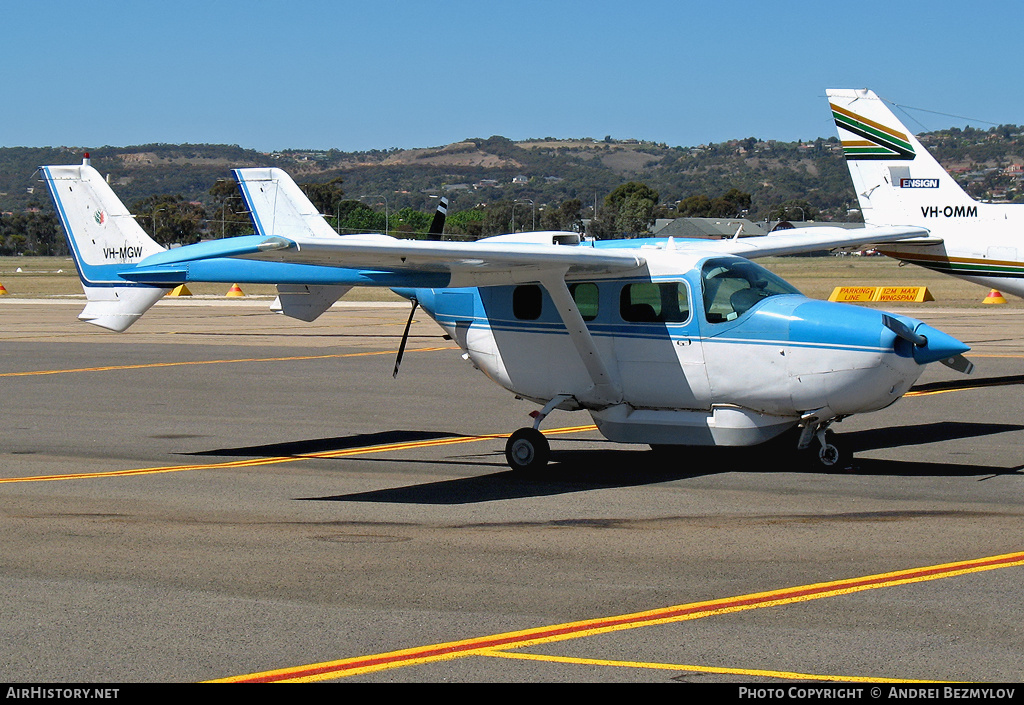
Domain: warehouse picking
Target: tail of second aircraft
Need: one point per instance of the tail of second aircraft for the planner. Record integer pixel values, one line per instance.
(897, 181)
(103, 238)
(279, 208)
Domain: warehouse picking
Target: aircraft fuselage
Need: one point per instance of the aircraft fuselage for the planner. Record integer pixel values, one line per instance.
(733, 366)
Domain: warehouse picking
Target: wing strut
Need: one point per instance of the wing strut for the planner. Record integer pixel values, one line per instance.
(606, 390)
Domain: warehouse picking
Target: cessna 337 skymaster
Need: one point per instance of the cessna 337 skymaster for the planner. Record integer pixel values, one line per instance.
(899, 183)
(663, 342)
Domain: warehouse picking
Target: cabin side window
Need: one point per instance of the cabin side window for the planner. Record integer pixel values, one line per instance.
(526, 302)
(587, 299)
(655, 302)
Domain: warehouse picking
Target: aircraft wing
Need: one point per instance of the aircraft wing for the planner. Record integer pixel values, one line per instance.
(799, 240)
(479, 263)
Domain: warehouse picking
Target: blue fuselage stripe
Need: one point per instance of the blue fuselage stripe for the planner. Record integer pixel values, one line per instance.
(634, 331)
(248, 202)
(234, 270)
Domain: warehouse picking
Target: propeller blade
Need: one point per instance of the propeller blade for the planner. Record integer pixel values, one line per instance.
(904, 331)
(405, 339)
(437, 225)
(959, 363)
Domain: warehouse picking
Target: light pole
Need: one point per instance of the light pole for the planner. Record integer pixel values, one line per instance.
(386, 221)
(154, 221)
(517, 202)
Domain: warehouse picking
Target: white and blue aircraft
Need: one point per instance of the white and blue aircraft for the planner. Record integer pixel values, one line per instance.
(666, 343)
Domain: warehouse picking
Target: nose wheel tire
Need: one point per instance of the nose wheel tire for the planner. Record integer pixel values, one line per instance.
(831, 455)
(527, 450)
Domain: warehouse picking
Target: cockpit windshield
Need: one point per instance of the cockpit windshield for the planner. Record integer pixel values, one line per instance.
(732, 286)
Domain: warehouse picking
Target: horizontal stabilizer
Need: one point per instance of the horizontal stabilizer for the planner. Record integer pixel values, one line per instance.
(213, 249)
(116, 308)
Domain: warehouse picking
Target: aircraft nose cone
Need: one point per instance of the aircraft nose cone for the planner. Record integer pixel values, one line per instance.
(938, 345)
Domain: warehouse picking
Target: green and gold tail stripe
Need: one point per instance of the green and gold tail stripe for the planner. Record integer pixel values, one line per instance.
(879, 141)
(962, 266)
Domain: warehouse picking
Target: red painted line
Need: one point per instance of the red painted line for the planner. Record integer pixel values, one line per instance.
(343, 667)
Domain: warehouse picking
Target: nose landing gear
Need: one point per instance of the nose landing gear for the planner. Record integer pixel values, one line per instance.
(819, 441)
(831, 454)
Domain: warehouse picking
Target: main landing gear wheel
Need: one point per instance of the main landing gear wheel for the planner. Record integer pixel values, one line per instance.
(527, 450)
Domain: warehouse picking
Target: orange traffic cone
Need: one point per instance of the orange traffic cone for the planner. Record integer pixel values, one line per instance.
(3, 291)
(235, 290)
(180, 290)
(994, 297)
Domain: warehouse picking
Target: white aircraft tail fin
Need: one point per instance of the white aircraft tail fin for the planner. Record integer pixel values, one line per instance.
(278, 205)
(280, 208)
(103, 237)
(897, 181)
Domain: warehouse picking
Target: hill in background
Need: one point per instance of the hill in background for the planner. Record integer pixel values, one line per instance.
(545, 171)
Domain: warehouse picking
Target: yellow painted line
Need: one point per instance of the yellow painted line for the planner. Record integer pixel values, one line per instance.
(214, 362)
(574, 630)
(940, 391)
(788, 675)
(967, 386)
(346, 452)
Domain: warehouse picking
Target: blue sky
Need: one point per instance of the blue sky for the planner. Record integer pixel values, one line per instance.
(393, 73)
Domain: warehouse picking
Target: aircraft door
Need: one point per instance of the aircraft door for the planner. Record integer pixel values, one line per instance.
(657, 346)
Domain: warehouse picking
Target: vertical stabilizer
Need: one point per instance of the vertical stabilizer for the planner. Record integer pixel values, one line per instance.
(104, 239)
(897, 181)
(278, 206)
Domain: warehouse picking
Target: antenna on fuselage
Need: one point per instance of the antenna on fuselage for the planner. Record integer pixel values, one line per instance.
(405, 339)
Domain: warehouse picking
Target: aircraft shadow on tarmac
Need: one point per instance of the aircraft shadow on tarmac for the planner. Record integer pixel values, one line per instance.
(583, 469)
(328, 445)
(902, 436)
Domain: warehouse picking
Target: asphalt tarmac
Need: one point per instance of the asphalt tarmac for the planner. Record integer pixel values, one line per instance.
(222, 493)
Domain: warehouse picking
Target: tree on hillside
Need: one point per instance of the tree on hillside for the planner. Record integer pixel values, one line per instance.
(229, 217)
(729, 205)
(350, 217)
(325, 196)
(794, 209)
(170, 220)
(34, 232)
(627, 211)
(409, 221)
(469, 222)
(698, 206)
(568, 216)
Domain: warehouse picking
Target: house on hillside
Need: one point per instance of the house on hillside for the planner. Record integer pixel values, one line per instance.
(707, 228)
